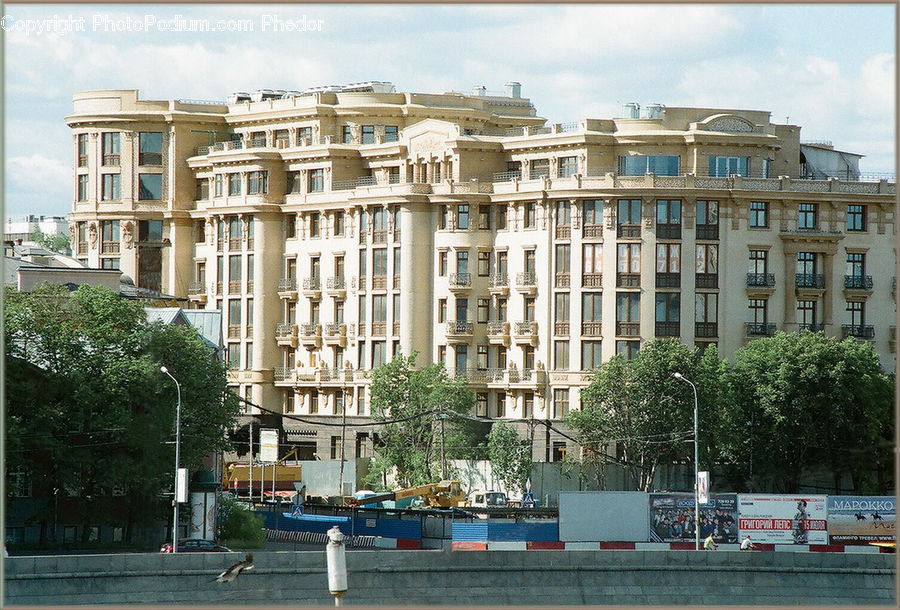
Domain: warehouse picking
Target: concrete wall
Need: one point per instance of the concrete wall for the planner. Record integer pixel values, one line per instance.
(461, 578)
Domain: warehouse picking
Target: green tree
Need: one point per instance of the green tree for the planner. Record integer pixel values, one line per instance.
(104, 422)
(806, 401)
(510, 457)
(54, 243)
(239, 527)
(637, 408)
(412, 447)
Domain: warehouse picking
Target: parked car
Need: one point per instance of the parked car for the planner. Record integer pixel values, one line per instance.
(194, 545)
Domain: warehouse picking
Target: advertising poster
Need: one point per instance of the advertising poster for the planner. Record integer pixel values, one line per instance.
(672, 518)
(787, 519)
(861, 519)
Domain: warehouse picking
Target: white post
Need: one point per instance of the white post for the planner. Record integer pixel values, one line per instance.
(336, 559)
(250, 482)
(177, 459)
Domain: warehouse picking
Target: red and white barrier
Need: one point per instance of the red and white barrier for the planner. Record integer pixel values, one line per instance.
(651, 546)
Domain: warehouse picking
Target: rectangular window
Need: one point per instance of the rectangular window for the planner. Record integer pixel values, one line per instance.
(758, 262)
(234, 184)
(202, 190)
(82, 150)
(442, 311)
(857, 311)
(668, 211)
(592, 212)
(82, 187)
(528, 405)
(668, 258)
(258, 183)
(529, 309)
(378, 354)
(220, 184)
(563, 214)
(629, 258)
(391, 133)
(560, 410)
(562, 260)
(501, 309)
(379, 262)
(481, 360)
(501, 404)
(561, 308)
(150, 187)
(462, 309)
(758, 311)
(591, 310)
(346, 134)
(290, 226)
(638, 165)
(111, 149)
(759, 214)
(668, 314)
(150, 148)
(856, 218)
(592, 265)
(368, 134)
(484, 217)
(706, 308)
(484, 263)
(361, 311)
(567, 167)
(111, 187)
(316, 180)
(379, 308)
(304, 136)
(707, 212)
(314, 220)
(462, 358)
(361, 355)
(628, 307)
(628, 212)
(561, 355)
(530, 212)
(590, 355)
(529, 261)
(628, 349)
(806, 216)
(338, 224)
(806, 315)
(724, 167)
(501, 216)
(856, 264)
(484, 306)
(109, 263)
(462, 216)
(540, 168)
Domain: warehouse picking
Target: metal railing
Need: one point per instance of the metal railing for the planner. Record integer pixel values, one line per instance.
(196, 288)
(459, 327)
(109, 247)
(379, 236)
(498, 280)
(858, 331)
(592, 231)
(460, 280)
(506, 176)
(526, 328)
(562, 280)
(335, 330)
(111, 160)
(812, 327)
(761, 279)
(628, 280)
(706, 280)
(668, 329)
(563, 231)
(628, 329)
(526, 279)
(335, 283)
(668, 231)
(760, 329)
(592, 280)
(312, 283)
(706, 330)
(309, 330)
(858, 282)
(285, 331)
(234, 287)
(668, 280)
(591, 329)
(809, 280)
(287, 284)
(561, 329)
(707, 232)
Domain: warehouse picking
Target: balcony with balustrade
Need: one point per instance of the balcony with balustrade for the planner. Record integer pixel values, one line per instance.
(379, 282)
(561, 329)
(668, 329)
(706, 330)
(591, 329)
(759, 329)
(335, 286)
(498, 284)
(109, 247)
(858, 331)
(526, 282)
(592, 280)
(197, 292)
(628, 280)
(287, 288)
(525, 332)
(668, 280)
(498, 333)
(706, 280)
(813, 327)
(562, 280)
(710, 232)
(592, 232)
(858, 285)
(563, 231)
(628, 329)
(809, 284)
(459, 331)
(335, 334)
(379, 329)
(460, 282)
(892, 339)
(310, 335)
(312, 287)
(760, 284)
(234, 287)
(286, 334)
(628, 231)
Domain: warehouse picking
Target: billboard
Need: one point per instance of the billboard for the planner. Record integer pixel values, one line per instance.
(783, 519)
(861, 519)
(597, 516)
(268, 445)
(672, 517)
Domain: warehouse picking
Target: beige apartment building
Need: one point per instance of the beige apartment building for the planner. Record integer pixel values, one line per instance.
(341, 225)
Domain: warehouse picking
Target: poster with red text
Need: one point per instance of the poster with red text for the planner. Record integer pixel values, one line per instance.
(783, 519)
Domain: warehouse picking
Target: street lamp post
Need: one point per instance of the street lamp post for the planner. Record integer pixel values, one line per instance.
(177, 459)
(696, 465)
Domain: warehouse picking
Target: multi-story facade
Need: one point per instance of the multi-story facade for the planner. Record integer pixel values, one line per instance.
(335, 229)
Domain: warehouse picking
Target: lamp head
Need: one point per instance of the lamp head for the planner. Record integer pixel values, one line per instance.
(164, 369)
(677, 375)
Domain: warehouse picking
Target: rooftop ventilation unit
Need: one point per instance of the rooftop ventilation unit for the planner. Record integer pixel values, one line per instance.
(240, 96)
(265, 94)
(514, 89)
(479, 90)
(632, 110)
(654, 111)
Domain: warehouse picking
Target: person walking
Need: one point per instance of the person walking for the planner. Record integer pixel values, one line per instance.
(747, 544)
(710, 544)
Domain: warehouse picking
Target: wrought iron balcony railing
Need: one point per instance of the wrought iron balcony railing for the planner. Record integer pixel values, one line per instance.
(858, 282)
(761, 279)
(760, 329)
(810, 280)
(858, 331)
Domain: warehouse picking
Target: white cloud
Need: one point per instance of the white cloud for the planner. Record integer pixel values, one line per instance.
(38, 169)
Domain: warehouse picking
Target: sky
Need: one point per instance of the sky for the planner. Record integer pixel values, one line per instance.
(829, 68)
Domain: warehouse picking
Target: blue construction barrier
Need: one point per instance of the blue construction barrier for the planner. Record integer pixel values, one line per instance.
(358, 526)
(485, 531)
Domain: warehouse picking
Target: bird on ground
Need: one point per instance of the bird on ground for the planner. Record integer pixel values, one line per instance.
(232, 572)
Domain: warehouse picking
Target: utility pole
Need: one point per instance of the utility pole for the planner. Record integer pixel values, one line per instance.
(343, 442)
(250, 491)
(443, 452)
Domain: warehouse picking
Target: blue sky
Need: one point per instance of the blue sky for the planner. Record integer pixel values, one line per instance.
(830, 68)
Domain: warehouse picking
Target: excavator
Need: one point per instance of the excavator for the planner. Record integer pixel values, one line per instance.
(443, 494)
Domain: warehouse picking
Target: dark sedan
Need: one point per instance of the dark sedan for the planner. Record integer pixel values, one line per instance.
(193, 545)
